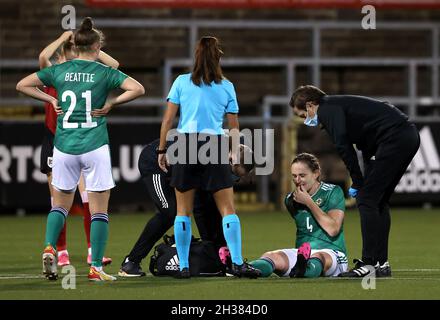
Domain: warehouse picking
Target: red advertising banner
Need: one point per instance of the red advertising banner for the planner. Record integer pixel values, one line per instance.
(421, 4)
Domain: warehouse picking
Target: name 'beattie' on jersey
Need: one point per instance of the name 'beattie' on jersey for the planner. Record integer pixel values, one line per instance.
(79, 77)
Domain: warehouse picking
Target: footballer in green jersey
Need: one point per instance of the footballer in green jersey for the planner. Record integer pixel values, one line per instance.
(63, 49)
(81, 140)
(318, 210)
(82, 86)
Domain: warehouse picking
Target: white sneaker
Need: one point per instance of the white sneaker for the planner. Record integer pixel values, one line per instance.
(50, 263)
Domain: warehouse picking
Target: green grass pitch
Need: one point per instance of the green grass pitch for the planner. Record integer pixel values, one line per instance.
(414, 257)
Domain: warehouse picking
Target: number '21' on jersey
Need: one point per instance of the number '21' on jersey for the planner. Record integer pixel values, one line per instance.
(82, 86)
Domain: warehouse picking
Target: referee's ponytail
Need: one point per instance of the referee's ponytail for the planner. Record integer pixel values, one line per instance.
(207, 62)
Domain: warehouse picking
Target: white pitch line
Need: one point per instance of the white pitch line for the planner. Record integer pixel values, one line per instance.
(34, 276)
(415, 270)
(387, 278)
(21, 277)
(28, 276)
(328, 278)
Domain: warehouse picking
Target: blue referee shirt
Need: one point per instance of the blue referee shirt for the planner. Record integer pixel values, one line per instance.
(203, 108)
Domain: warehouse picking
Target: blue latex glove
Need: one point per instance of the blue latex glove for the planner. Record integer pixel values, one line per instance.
(352, 192)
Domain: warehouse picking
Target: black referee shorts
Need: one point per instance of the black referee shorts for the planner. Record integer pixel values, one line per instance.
(46, 152)
(194, 173)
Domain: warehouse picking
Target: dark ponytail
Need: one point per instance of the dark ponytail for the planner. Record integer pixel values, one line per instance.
(87, 24)
(87, 36)
(207, 62)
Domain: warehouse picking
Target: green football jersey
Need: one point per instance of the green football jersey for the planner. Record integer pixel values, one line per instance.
(82, 86)
(328, 197)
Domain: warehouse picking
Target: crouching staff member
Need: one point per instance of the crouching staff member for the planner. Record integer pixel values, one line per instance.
(206, 214)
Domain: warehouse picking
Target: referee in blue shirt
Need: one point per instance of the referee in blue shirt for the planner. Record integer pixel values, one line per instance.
(203, 97)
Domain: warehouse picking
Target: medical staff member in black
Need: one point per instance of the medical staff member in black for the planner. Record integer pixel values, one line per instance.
(388, 142)
(206, 215)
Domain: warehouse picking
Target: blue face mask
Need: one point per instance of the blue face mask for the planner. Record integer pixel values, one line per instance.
(311, 122)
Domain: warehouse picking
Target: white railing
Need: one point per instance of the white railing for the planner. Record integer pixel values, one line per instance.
(315, 61)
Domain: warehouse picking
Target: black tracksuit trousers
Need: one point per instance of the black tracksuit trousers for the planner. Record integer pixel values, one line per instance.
(206, 215)
(381, 176)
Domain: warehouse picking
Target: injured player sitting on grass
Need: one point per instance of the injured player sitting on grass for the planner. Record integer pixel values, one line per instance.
(318, 210)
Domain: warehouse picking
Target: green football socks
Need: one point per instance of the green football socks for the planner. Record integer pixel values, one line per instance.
(314, 268)
(265, 265)
(98, 237)
(55, 222)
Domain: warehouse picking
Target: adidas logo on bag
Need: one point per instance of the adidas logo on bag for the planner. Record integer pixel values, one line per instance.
(423, 174)
(173, 264)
